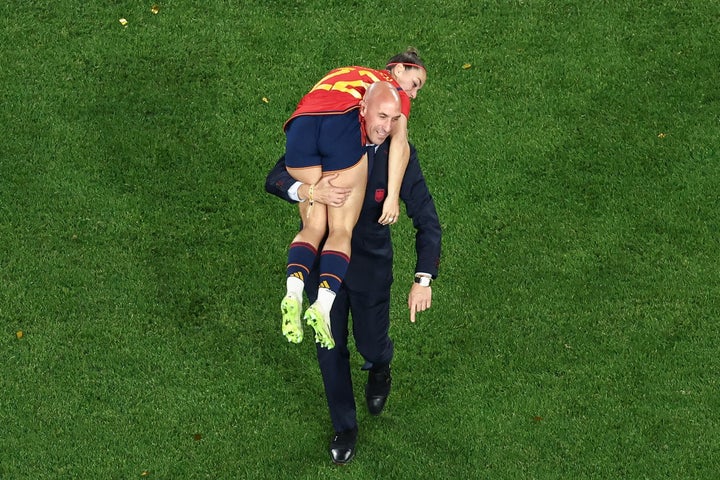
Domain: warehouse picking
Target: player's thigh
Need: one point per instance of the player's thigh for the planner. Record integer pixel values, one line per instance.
(345, 217)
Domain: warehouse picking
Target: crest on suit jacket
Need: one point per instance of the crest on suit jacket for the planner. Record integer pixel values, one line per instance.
(379, 195)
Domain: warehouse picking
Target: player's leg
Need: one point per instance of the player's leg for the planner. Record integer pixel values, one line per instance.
(342, 220)
(341, 143)
(335, 255)
(304, 164)
(301, 256)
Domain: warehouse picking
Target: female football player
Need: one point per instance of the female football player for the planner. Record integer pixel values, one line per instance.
(328, 134)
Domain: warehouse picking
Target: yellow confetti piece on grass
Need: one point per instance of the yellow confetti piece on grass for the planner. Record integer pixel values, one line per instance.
(155, 9)
(466, 66)
(123, 22)
(661, 135)
(19, 334)
(265, 99)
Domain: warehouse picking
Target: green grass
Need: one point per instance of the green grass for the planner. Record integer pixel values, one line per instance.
(574, 165)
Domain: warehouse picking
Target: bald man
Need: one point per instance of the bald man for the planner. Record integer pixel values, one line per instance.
(325, 143)
(365, 291)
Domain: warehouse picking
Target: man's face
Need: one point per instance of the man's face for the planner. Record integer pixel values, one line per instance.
(380, 118)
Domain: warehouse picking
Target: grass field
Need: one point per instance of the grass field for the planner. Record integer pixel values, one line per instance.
(572, 149)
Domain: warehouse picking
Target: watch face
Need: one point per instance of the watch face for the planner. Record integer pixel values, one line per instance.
(423, 281)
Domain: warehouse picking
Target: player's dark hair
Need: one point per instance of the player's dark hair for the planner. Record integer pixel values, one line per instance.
(410, 58)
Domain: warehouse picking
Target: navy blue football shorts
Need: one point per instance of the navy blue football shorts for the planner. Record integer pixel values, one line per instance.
(333, 142)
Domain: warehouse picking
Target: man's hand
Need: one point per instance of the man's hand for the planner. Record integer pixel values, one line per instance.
(419, 300)
(391, 212)
(325, 192)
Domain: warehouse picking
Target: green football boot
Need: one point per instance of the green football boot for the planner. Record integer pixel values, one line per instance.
(320, 322)
(292, 326)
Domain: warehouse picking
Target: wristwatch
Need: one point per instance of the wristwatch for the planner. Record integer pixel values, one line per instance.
(423, 280)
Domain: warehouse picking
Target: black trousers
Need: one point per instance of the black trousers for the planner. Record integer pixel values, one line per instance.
(370, 311)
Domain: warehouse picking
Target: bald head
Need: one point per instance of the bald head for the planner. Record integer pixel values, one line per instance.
(381, 108)
(381, 92)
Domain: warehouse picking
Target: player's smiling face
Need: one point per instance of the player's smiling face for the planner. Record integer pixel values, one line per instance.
(411, 80)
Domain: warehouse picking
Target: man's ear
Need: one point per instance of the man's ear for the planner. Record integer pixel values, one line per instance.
(363, 107)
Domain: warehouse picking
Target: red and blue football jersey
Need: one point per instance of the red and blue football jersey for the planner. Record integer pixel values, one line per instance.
(341, 90)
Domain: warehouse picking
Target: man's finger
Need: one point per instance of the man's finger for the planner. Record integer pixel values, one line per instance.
(412, 313)
(332, 176)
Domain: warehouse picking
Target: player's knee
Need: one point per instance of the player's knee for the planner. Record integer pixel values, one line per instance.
(340, 232)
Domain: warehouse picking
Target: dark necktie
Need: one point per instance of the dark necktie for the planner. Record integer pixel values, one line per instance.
(370, 149)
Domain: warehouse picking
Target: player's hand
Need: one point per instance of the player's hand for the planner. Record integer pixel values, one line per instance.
(325, 192)
(391, 212)
(419, 300)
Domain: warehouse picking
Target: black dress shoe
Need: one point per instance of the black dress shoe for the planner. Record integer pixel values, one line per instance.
(342, 446)
(377, 389)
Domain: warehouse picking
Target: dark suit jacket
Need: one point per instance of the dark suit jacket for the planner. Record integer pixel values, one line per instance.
(371, 259)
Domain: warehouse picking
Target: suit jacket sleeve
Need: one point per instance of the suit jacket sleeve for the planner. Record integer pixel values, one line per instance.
(421, 209)
(279, 181)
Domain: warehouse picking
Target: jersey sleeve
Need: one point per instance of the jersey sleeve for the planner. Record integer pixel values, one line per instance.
(404, 103)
